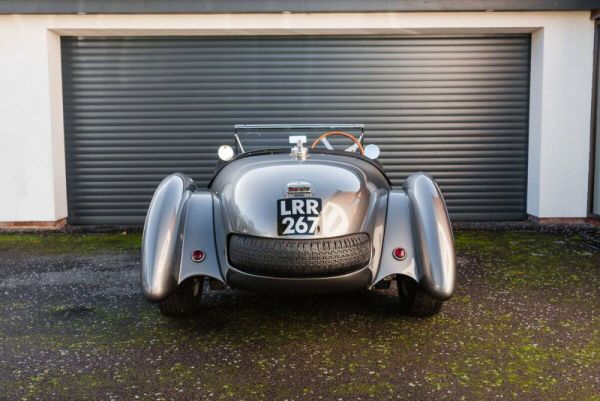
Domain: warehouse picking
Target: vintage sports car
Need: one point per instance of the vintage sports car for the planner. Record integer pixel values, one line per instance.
(298, 220)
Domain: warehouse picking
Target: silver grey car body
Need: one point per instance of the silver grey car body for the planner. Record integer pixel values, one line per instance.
(241, 200)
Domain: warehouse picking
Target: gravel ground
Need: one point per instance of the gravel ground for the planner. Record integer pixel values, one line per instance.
(524, 324)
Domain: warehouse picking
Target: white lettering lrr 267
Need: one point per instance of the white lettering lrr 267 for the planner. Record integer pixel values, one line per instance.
(299, 206)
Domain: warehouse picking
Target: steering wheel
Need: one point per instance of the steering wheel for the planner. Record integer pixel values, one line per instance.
(323, 138)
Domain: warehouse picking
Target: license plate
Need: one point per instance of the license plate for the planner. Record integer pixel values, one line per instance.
(298, 216)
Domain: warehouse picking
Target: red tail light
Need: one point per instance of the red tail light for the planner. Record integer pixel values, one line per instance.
(198, 255)
(399, 253)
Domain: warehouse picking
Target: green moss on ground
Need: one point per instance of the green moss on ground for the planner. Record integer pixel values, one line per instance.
(523, 325)
(60, 243)
(525, 259)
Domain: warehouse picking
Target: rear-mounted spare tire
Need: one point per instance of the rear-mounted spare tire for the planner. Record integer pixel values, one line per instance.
(299, 258)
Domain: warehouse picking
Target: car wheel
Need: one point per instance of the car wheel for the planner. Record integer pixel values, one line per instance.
(185, 301)
(414, 301)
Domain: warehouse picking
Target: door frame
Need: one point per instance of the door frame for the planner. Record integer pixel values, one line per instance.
(594, 131)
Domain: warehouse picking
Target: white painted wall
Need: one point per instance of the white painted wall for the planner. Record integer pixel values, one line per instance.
(32, 173)
(560, 118)
(32, 168)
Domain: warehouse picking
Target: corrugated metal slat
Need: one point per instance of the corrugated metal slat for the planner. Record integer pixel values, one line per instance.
(137, 109)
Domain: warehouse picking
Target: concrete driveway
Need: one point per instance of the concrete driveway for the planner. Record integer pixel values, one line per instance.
(524, 325)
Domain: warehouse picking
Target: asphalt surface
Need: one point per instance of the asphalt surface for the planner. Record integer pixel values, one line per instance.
(524, 325)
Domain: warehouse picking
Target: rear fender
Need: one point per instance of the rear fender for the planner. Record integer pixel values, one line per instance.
(199, 233)
(161, 239)
(432, 233)
(398, 233)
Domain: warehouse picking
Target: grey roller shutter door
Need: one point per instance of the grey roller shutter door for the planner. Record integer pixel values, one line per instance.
(138, 109)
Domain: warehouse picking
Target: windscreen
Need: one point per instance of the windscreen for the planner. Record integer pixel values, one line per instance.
(255, 137)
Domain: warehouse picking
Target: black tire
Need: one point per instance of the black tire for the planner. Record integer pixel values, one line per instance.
(294, 258)
(414, 301)
(185, 301)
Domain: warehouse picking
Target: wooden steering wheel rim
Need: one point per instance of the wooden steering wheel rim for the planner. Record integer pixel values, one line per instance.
(340, 133)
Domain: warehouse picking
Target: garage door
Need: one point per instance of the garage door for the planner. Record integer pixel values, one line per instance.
(137, 109)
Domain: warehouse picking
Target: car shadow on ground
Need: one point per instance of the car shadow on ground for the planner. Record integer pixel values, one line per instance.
(227, 310)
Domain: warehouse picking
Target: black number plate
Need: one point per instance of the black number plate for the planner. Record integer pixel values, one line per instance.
(298, 216)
